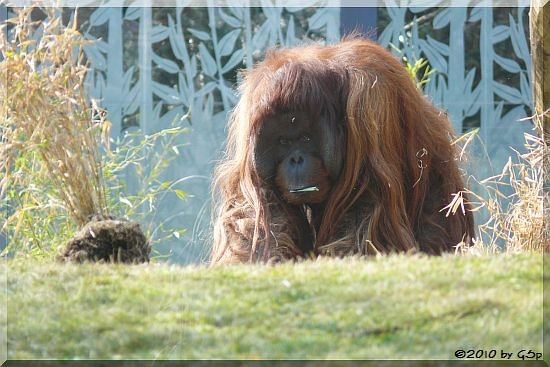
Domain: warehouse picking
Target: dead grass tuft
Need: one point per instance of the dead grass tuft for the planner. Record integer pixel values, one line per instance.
(46, 116)
(517, 219)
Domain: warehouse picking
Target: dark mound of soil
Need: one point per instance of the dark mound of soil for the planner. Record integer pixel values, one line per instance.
(108, 241)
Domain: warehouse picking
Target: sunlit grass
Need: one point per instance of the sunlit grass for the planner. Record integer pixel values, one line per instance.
(388, 307)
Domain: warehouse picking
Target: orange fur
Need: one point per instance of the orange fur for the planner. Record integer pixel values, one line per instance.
(382, 201)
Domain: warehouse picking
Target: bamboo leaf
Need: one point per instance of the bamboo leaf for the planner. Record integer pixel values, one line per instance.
(100, 16)
(235, 60)
(509, 94)
(469, 81)
(318, 20)
(238, 11)
(209, 105)
(207, 61)
(184, 89)
(133, 100)
(177, 41)
(476, 14)
(96, 58)
(441, 47)
(475, 103)
(232, 21)
(525, 88)
(133, 13)
(507, 64)
(500, 33)
(159, 33)
(167, 94)
(208, 88)
(227, 43)
(165, 64)
(259, 39)
(443, 18)
(127, 80)
(203, 36)
(437, 61)
(385, 37)
(517, 36)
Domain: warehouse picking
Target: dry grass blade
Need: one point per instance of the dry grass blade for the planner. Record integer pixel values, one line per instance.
(465, 139)
(456, 202)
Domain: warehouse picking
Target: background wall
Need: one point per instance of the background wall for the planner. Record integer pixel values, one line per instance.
(154, 68)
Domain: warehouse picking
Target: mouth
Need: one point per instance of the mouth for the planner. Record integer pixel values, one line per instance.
(304, 189)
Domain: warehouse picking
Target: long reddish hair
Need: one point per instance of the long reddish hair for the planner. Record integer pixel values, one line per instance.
(387, 194)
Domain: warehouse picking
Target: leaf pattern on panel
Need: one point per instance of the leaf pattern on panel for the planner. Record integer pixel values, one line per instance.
(165, 64)
(227, 44)
(167, 94)
(474, 103)
(203, 36)
(436, 59)
(229, 19)
(525, 87)
(236, 59)
(133, 96)
(443, 89)
(260, 38)
(475, 15)
(99, 17)
(494, 91)
(442, 19)
(509, 94)
(159, 33)
(500, 33)
(132, 13)
(96, 57)
(507, 64)
(207, 61)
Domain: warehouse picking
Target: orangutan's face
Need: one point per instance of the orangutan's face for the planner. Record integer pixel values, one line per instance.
(297, 154)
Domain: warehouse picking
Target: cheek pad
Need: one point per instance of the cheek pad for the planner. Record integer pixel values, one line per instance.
(333, 144)
(265, 159)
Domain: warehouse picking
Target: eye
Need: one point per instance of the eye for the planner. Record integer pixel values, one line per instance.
(306, 138)
(284, 141)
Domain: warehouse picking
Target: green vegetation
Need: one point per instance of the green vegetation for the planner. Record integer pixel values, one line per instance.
(57, 168)
(387, 307)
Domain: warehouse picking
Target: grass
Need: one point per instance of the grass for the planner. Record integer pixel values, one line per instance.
(390, 307)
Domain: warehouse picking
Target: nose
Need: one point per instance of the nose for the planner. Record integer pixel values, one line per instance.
(296, 159)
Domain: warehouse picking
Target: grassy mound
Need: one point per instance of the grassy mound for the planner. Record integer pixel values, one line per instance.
(391, 307)
(108, 241)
